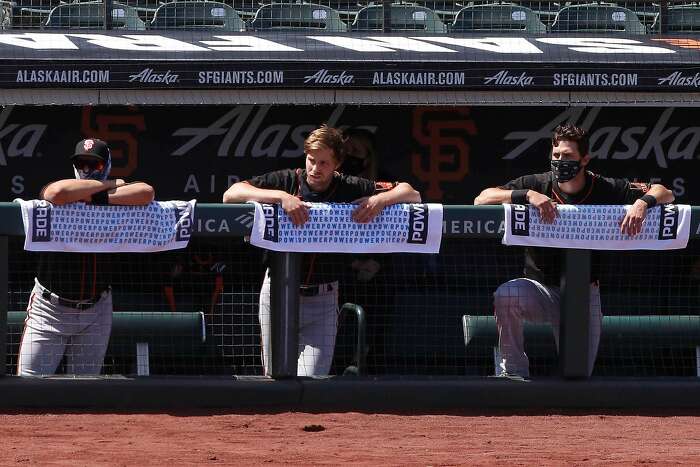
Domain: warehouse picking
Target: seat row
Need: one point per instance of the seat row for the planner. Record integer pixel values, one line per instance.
(501, 18)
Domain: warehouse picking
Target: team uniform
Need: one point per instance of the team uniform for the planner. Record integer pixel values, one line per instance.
(70, 308)
(536, 296)
(318, 296)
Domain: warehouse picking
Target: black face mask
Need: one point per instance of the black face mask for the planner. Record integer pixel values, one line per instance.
(565, 171)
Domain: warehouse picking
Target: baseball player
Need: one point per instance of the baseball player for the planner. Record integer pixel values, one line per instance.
(70, 308)
(318, 182)
(535, 297)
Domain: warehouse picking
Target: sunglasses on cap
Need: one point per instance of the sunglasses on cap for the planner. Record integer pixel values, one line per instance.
(89, 164)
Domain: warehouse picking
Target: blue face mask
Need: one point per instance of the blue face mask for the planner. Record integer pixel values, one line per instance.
(98, 172)
(565, 171)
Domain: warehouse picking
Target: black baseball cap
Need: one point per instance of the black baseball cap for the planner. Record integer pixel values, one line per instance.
(92, 147)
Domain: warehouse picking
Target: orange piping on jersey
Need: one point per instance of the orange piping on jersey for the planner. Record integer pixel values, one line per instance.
(590, 190)
(94, 274)
(82, 278)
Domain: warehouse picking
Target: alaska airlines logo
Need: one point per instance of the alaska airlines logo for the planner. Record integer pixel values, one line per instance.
(147, 75)
(323, 76)
(503, 78)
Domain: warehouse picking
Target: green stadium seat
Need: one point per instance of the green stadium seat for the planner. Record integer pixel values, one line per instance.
(497, 18)
(599, 18)
(5, 15)
(297, 17)
(89, 15)
(681, 19)
(204, 15)
(403, 18)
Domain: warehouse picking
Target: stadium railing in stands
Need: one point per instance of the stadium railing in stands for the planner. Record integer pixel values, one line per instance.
(194, 311)
(430, 16)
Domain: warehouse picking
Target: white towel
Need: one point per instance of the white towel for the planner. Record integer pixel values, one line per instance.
(412, 228)
(587, 227)
(87, 228)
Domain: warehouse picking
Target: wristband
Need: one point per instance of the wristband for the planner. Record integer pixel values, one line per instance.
(519, 197)
(650, 200)
(101, 198)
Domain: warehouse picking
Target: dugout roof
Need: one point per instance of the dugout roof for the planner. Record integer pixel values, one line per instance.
(206, 60)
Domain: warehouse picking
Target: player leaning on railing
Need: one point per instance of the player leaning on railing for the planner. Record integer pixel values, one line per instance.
(535, 297)
(292, 189)
(70, 308)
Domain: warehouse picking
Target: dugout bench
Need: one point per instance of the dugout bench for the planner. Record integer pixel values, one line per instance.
(144, 343)
(628, 344)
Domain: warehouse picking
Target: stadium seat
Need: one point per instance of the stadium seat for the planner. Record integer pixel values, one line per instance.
(90, 15)
(681, 19)
(297, 17)
(497, 17)
(5, 15)
(597, 18)
(403, 18)
(197, 15)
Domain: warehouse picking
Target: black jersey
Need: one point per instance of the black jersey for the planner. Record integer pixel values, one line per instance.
(75, 276)
(321, 268)
(544, 264)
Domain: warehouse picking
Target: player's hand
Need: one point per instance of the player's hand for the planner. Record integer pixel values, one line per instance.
(367, 209)
(546, 207)
(296, 209)
(632, 222)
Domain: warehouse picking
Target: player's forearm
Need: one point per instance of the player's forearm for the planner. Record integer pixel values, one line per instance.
(662, 194)
(132, 194)
(243, 192)
(72, 190)
(493, 196)
(401, 193)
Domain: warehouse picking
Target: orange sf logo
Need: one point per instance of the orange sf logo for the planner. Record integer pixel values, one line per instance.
(119, 131)
(449, 153)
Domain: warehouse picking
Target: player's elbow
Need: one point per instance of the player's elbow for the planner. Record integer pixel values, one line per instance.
(237, 193)
(55, 194)
(481, 199)
(148, 193)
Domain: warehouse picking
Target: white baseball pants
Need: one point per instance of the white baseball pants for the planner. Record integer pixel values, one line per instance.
(520, 300)
(52, 330)
(318, 326)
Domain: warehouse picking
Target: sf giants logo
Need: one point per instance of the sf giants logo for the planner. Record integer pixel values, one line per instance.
(120, 132)
(668, 224)
(271, 232)
(448, 159)
(418, 224)
(41, 222)
(520, 220)
(184, 224)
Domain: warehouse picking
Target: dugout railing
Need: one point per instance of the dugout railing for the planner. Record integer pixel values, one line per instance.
(460, 222)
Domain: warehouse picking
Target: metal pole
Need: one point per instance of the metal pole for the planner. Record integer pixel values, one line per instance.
(4, 266)
(386, 7)
(574, 327)
(108, 4)
(285, 275)
(663, 16)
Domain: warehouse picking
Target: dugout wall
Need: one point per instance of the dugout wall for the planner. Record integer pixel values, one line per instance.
(478, 109)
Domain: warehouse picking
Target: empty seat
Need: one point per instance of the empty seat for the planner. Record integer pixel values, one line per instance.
(5, 15)
(403, 18)
(597, 18)
(297, 16)
(90, 15)
(497, 17)
(197, 15)
(680, 19)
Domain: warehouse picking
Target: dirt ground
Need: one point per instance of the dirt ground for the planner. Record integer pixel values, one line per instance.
(348, 438)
